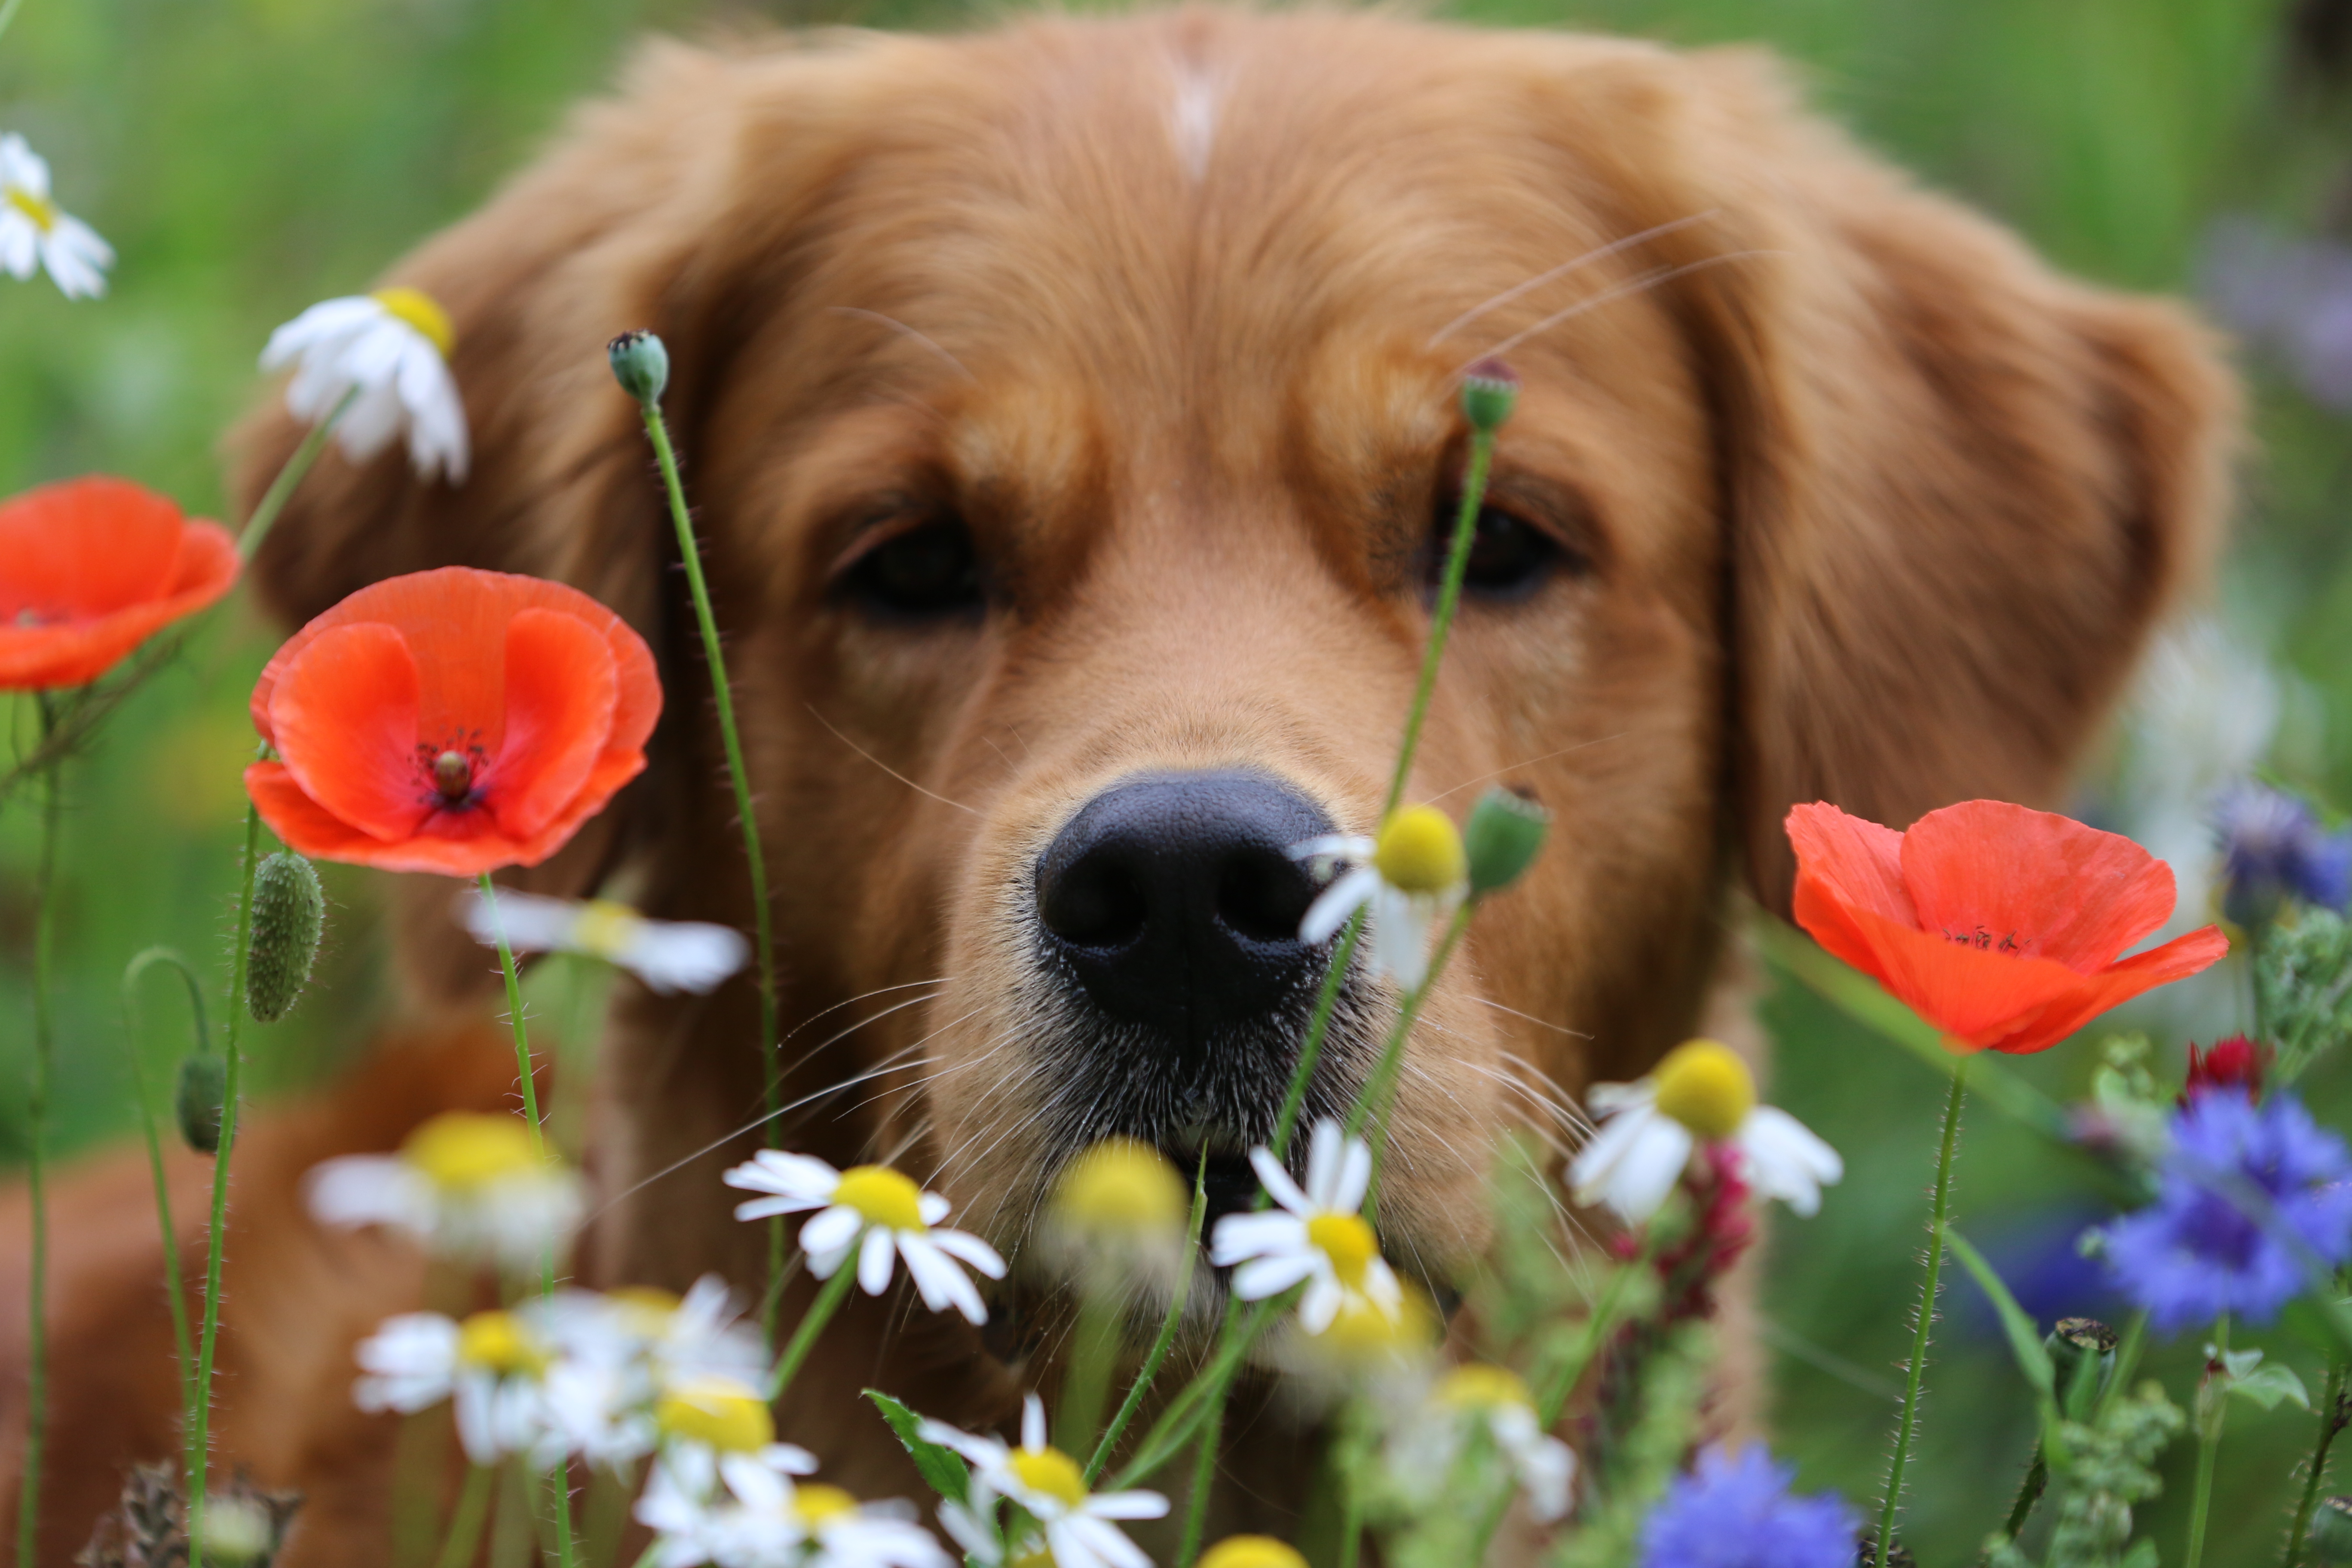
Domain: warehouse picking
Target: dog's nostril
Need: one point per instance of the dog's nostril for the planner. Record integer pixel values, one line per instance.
(1264, 895)
(1095, 903)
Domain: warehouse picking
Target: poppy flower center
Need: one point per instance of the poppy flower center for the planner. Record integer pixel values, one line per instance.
(1706, 1086)
(421, 311)
(496, 1341)
(1347, 1242)
(883, 1196)
(40, 209)
(466, 1150)
(1419, 851)
(1049, 1472)
(452, 775)
(717, 1415)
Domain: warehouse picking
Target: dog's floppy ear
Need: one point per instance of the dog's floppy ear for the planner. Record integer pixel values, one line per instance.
(640, 216)
(1958, 490)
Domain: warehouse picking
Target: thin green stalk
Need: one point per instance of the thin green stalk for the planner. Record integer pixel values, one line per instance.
(1094, 1354)
(200, 1417)
(1941, 1208)
(522, 1057)
(175, 1285)
(281, 488)
(1168, 1325)
(1184, 1413)
(1449, 596)
(2028, 1492)
(2331, 1422)
(465, 1537)
(559, 1481)
(1351, 1523)
(2209, 1444)
(657, 432)
(828, 1301)
(1310, 1050)
(1204, 1477)
(37, 1389)
(2126, 1362)
(1373, 1103)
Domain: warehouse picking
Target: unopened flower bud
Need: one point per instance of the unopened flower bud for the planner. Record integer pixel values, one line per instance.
(640, 364)
(239, 1530)
(197, 1096)
(290, 910)
(1501, 839)
(2330, 1537)
(1489, 391)
(2072, 1342)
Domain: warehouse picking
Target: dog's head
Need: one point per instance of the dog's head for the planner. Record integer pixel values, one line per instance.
(1070, 413)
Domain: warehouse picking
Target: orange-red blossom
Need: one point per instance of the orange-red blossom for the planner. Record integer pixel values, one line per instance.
(1997, 925)
(453, 721)
(90, 569)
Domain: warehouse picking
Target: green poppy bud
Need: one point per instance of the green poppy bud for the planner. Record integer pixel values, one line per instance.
(2330, 1538)
(1502, 837)
(1490, 390)
(197, 1096)
(290, 911)
(2081, 1354)
(640, 364)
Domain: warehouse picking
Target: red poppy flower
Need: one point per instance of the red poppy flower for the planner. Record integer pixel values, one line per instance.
(1997, 924)
(90, 569)
(2235, 1063)
(453, 721)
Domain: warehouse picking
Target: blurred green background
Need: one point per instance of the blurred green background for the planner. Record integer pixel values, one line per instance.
(248, 157)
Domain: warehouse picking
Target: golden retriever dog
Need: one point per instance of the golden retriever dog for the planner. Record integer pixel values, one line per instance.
(1070, 410)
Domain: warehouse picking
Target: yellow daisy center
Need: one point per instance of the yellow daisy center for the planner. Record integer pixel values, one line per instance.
(467, 1150)
(1347, 1242)
(1482, 1387)
(1252, 1551)
(604, 930)
(819, 1505)
(646, 1308)
(884, 1196)
(1362, 1334)
(1049, 1472)
(1037, 1555)
(40, 209)
(496, 1341)
(1121, 1186)
(1703, 1085)
(420, 310)
(1419, 851)
(722, 1415)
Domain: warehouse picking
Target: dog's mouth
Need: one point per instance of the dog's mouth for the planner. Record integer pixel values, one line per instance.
(1227, 1182)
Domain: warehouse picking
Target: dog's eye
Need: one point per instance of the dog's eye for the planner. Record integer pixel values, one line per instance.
(1509, 556)
(927, 571)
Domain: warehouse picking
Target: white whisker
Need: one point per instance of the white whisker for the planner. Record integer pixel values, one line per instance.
(1600, 253)
(1638, 285)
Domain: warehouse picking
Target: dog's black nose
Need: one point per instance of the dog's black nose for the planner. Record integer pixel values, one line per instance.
(1174, 900)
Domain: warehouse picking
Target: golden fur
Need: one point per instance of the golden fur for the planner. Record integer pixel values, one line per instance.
(1869, 505)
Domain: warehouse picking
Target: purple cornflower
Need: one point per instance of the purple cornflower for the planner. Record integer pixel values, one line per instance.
(1735, 1511)
(2291, 298)
(2195, 1253)
(2273, 847)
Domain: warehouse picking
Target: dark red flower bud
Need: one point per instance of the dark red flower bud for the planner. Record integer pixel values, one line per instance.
(2234, 1063)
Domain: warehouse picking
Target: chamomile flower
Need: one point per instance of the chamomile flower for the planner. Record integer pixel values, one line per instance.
(1412, 877)
(35, 232)
(1316, 1237)
(875, 1211)
(623, 1350)
(389, 352)
(1495, 1398)
(1252, 1551)
(1079, 1526)
(1702, 1092)
(465, 1184)
(493, 1365)
(1118, 1219)
(668, 955)
(722, 1492)
(846, 1534)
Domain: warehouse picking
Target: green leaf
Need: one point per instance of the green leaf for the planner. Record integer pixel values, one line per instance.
(2024, 1336)
(942, 1469)
(2266, 1385)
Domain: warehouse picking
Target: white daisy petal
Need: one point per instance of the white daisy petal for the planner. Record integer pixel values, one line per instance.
(873, 1255)
(1785, 1159)
(1333, 906)
(830, 1230)
(1033, 1422)
(1278, 1183)
(971, 1250)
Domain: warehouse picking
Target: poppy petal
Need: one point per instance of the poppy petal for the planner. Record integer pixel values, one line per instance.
(85, 548)
(202, 566)
(1974, 995)
(2001, 874)
(344, 718)
(1844, 864)
(2118, 983)
(561, 684)
(611, 771)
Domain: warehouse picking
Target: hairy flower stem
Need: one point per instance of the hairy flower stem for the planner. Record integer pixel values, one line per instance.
(2331, 1415)
(281, 488)
(37, 1376)
(1907, 1423)
(2212, 1411)
(1185, 1412)
(175, 1284)
(1168, 1326)
(828, 1301)
(1441, 620)
(523, 1059)
(200, 1396)
(464, 1538)
(1204, 1477)
(755, 862)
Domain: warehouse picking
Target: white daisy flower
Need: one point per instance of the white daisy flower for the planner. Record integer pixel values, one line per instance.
(1078, 1524)
(844, 1533)
(35, 233)
(623, 1349)
(466, 1186)
(721, 1490)
(1316, 1235)
(389, 352)
(1702, 1092)
(668, 955)
(493, 1365)
(1423, 1448)
(873, 1211)
(1412, 876)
